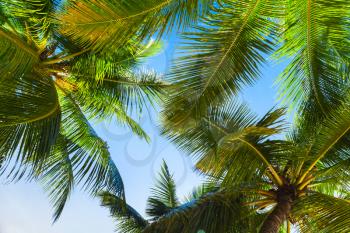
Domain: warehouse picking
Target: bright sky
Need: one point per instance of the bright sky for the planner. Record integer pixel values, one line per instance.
(26, 209)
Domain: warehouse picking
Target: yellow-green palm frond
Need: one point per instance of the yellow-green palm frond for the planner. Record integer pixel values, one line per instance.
(29, 120)
(32, 18)
(231, 140)
(17, 57)
(322, 213)
(315, 41)
(105, 24)
(219, 211)
(222, 54)
(128, 219)
(163, 198)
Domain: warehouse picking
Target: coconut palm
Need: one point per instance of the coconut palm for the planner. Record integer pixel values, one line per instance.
(302, 180)
(64, 63)
(285, 177)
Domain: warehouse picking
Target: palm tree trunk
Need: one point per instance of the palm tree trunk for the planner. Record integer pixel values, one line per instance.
(280, 213)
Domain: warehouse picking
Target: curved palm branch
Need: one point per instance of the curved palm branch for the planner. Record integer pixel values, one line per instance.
(221, 55)
(330, 140)
(29, 120)
(79, 156)
(33, 17)
(105, 24)
(316, 74)
(213, 212)
(322, 213)
(129, 220)
(58, 176)
(230, 137)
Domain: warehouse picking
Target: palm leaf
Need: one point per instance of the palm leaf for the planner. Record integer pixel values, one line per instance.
(129, 220)
(230, 137)
(33, 16)
(322, 213)
(91, 159)
(163, 198)
(17, 57)
(105, 24)
(330, 139)
(29, 120)
(58, 175)
(316, 74)
(222, 55)
(214, 212)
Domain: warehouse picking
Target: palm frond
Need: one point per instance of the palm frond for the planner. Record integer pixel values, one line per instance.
(90, 157)
(33, 17)
(29, 120)
(108, 63)
(214, 212)
(316, 75)
(16, 56)
(322, 213)
(163, 198)
(330, 138)
(58, 175)
(229, 137)
(128, 219)
(106, 24)
(222, 55)
(117, 97)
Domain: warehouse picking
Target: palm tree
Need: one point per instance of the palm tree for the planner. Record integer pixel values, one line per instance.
(164, 210)
(302, 180)
(64, 63)
(291, 181)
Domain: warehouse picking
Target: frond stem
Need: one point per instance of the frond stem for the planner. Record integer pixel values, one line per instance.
(18, 42)
(322, 154)
(128, 17)
(232, 45)
(68, 57)
(38, 118)
(262, 157)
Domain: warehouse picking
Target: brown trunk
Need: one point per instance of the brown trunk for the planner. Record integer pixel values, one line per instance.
(280, 213)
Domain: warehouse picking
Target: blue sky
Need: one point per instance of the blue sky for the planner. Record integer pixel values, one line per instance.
(26, 209)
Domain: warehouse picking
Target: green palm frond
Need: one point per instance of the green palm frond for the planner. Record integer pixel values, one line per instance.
(129, 220)
(203, 189)
(322, 213)
(333, 178)
(90, 159)
(214, 212)
(229, 137)
(117, 96)
(29, 120)
(132, 90)
(222, 55)
(105, 24)
(109, 63)
(33, 17)
(17, 57)
(330, 138)
(163, 198)
(58, 175)
(316, 75)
